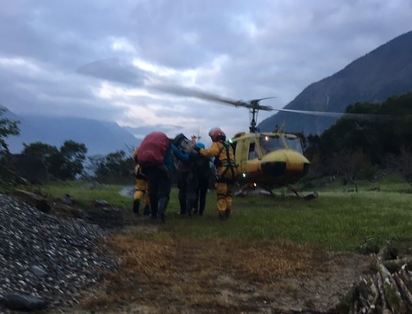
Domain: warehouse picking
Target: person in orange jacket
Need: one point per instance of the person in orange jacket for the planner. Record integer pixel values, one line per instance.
(140, 195)
(225, 165)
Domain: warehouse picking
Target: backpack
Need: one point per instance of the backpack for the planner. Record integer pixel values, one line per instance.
(153, 149)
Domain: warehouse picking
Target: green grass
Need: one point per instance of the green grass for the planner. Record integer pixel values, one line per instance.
(86, 193)
(336, 220)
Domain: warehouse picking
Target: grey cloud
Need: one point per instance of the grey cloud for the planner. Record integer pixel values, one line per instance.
(140, 132)
(115, 70)
(271, 48)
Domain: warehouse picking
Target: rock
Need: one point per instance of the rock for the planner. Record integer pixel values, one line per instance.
(43, 205)
(24, 302)
(101, 204)
(111, 210)
(34, 199)
(38, 271)
(67, 210)
(47, 256)
(67, 199)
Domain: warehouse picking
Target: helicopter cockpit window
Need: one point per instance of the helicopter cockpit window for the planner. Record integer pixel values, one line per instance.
(252, 151)
(295, 144)
(271, 143)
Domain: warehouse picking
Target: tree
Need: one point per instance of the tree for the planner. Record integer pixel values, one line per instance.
(64, 163)
(68, 163)
(402, 163)
(113, 166)
(40, 150)
(7, 128)
(375, 138)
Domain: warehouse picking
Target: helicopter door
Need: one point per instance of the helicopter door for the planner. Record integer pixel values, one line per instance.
(252, 151)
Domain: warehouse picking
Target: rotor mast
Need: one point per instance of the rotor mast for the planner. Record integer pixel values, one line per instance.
(252, 128)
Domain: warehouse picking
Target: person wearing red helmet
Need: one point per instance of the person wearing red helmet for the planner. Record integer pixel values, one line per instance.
(225, 165)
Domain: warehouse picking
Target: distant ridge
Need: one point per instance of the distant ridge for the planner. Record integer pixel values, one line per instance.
(100, 137)
(380, 74)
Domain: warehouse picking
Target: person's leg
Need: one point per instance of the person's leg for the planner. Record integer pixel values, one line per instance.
(221, 191)
(165, 185)
(153, 180)
(139, 194)
(203, 185)
(146, 208)
(229, 199)
(191, 191)
(181, 184)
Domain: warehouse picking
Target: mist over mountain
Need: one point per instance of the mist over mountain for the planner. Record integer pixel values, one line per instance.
(100, 137)
(380, 74)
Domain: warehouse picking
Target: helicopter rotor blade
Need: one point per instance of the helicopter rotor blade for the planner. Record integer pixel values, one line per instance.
(121, 72)
(200, 94)
(197, 93)
(356, 116)
(259, 99)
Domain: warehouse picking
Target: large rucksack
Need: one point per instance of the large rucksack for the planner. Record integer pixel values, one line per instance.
(183, 144)
(153, 149)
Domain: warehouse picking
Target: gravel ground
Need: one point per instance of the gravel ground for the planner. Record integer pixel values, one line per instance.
(47, 256)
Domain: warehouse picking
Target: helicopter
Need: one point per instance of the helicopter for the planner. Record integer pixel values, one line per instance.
(266, 160)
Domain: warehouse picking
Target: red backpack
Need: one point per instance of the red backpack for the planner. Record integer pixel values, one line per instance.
(152, 150)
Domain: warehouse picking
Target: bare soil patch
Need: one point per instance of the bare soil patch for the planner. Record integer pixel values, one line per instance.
(160, 274)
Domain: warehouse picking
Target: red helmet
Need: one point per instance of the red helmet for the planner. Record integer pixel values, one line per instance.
(217, 134)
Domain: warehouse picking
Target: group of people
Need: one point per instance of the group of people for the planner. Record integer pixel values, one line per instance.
(160, 161)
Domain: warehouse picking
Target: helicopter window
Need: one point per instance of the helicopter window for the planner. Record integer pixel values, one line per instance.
(252, 151)
(271, 143)
(295, 144)
(234, 145)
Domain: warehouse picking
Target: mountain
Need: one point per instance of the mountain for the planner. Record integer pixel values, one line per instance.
(100, 137)
(380, 74)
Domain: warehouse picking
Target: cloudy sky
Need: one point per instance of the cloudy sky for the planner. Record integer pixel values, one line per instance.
(238, 49)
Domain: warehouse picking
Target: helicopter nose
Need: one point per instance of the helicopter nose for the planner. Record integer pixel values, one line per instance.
(274, 168)
(285, 162)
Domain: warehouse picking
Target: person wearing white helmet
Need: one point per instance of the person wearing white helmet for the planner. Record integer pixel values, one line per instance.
(225, 165)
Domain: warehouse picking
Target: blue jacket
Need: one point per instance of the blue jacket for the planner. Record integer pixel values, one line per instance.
(179, 154)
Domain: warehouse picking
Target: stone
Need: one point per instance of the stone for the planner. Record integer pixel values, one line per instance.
(38, 271)
(67, 199)
(24, 302)
(101, 203)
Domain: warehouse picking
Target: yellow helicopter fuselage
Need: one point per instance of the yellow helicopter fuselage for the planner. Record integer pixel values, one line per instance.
(269, 159)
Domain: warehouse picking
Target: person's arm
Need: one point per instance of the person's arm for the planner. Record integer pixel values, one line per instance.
(212, 151)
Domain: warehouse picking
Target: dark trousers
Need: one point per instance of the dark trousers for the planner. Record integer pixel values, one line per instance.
(182, 185)
(159, 189)
(201, 194)
(188, 187)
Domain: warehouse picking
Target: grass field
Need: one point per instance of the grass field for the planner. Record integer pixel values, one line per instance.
(337, 220)
(273, 253)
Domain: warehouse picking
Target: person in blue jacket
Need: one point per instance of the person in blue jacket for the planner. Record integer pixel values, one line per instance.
(160, 182)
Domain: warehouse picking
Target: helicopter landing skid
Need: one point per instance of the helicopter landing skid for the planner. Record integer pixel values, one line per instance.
(251, 189)
(308, 197)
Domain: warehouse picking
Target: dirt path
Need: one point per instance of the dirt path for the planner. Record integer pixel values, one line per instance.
(160, 274)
